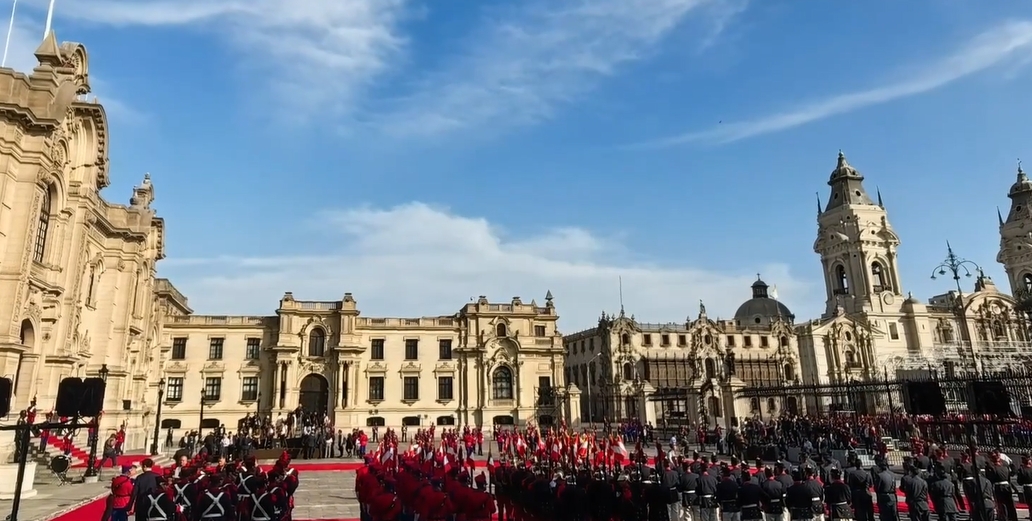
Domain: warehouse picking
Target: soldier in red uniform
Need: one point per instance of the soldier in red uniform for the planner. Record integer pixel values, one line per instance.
(160, 503)
(185, 489)
(217, 500)
(284, 477)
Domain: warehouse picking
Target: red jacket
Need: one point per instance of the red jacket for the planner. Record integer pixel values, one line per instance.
(121, 491)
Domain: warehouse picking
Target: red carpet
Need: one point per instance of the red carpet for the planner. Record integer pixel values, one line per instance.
(88, 512)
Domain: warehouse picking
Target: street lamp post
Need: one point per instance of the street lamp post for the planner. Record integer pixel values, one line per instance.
(91, 465)
(954, 266)
(157, 418)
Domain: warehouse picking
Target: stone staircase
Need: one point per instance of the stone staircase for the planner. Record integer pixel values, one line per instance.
(78, 452)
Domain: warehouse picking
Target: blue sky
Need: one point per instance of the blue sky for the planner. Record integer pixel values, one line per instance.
(418, 153)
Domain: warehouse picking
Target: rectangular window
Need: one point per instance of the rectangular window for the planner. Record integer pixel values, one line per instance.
(646, 339)
(444, 388)
(747, 341)
(682, 340)
(664, 340)
(212, 388)
(411, 388)
(893, 331)
(179, 348)
(254, 347)
(539, 330)
(730, 341)
(445, 348)
(545, 397)
(249, 390)
(174, 389)
(376, 349)
(411, 349)
(376, 388)
(215, 348)
(764, 342)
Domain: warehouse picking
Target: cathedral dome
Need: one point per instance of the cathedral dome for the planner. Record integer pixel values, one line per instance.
(761, 307)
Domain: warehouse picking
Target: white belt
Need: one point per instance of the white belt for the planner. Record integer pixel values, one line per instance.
(839, 504)
(815, 499)
(751, 506)
(1002, 483)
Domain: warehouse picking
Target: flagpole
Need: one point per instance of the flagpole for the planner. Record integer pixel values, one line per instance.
(10, 29)
(50, 19)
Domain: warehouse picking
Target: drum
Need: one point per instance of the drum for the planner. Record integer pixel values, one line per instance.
(59, 464)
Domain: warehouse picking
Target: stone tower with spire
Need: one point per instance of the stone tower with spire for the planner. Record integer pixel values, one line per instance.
(858, 247)
(1016, 236)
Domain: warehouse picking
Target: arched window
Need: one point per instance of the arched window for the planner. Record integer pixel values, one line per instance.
(316, 342)
(772, 405)
(784, 341)
(625, 339)
(789, 372)
(628, 371)
(878, 279)
(711, 368)
(999, 333)
(1027, 279)
(754, 404)
(43, 227)
(841, 280)
(501, 382)
(850, 359)
(500, 329)
(92, 284)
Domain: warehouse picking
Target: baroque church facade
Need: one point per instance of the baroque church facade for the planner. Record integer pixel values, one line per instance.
(871, 327)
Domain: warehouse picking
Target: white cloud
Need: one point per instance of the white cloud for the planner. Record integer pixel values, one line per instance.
(523, 65)
(416, 260)
(319, 55)
(1009, 41)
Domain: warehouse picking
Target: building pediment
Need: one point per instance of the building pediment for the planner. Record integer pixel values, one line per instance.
(444, 367)
(176, 367)
(378, 367)
(410, 367)
(214, 367)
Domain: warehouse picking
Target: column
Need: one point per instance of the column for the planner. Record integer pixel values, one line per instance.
(356, 385)
(274, 396)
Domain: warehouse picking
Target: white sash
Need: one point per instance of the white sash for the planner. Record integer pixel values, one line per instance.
(259, 508)
(181, 496)
(154, 512)
(216, 502)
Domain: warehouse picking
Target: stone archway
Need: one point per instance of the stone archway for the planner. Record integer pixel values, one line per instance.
(314, 393)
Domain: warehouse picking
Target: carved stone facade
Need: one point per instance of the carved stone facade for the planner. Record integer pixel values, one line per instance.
(487, 364)
(620, 365)
(77, 272)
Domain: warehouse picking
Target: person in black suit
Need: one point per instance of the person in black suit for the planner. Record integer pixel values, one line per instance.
(147, 482)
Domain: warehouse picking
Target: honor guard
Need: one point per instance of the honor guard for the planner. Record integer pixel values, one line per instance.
(979, 492)
(839, 496)
(727, 496)
(186, 490)
(670, 482)
(773, 496)
(860, 483)
(751, 498)
(1024, 477)
(943, 494)
(689, 483)
(707, 493)
(799, 498)
(999, 474)
(916, 490)
(885, 492)
(816, 493)
(218, 500)
(159, 505)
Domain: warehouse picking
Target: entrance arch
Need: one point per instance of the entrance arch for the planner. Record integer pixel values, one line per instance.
(314, 394)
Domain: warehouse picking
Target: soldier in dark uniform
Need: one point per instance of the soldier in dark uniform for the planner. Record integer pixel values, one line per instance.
(905, 483)
(979, 491)
(781, 474)
(727, 497)
(943, 494)
(736, 469)
(1024, 478)
(885, 492)
(799, 498)
(688, 481)
(707, 492)
(816, 493)
(670, 481)
(839, 496)
(657, 495)
(774, 496)
(916, 490)
(999, 474)
(751, 499)
(860, 482)
(600, 493)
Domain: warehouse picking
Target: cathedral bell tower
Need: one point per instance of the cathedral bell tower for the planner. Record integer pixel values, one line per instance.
(857, 247)
(1016, 236)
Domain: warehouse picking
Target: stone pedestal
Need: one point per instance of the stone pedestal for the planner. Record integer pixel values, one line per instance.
(573, 405)
(9, 476)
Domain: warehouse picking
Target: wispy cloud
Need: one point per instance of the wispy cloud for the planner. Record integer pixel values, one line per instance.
(525, 64)
(1009, 41)
(319, 55)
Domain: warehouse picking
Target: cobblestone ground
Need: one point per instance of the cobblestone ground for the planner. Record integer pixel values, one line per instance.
(326, 495)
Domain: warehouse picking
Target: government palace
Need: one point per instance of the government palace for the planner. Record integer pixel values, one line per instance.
(82, 297)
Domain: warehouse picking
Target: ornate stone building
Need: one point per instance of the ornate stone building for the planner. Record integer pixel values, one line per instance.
(77, 272)
(624, 368)
(486, 364)
(871, 328)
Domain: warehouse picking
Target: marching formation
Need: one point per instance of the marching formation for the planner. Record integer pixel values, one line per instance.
(227, 492)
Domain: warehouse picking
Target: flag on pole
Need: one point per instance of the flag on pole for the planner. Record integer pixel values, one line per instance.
(774, 292)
